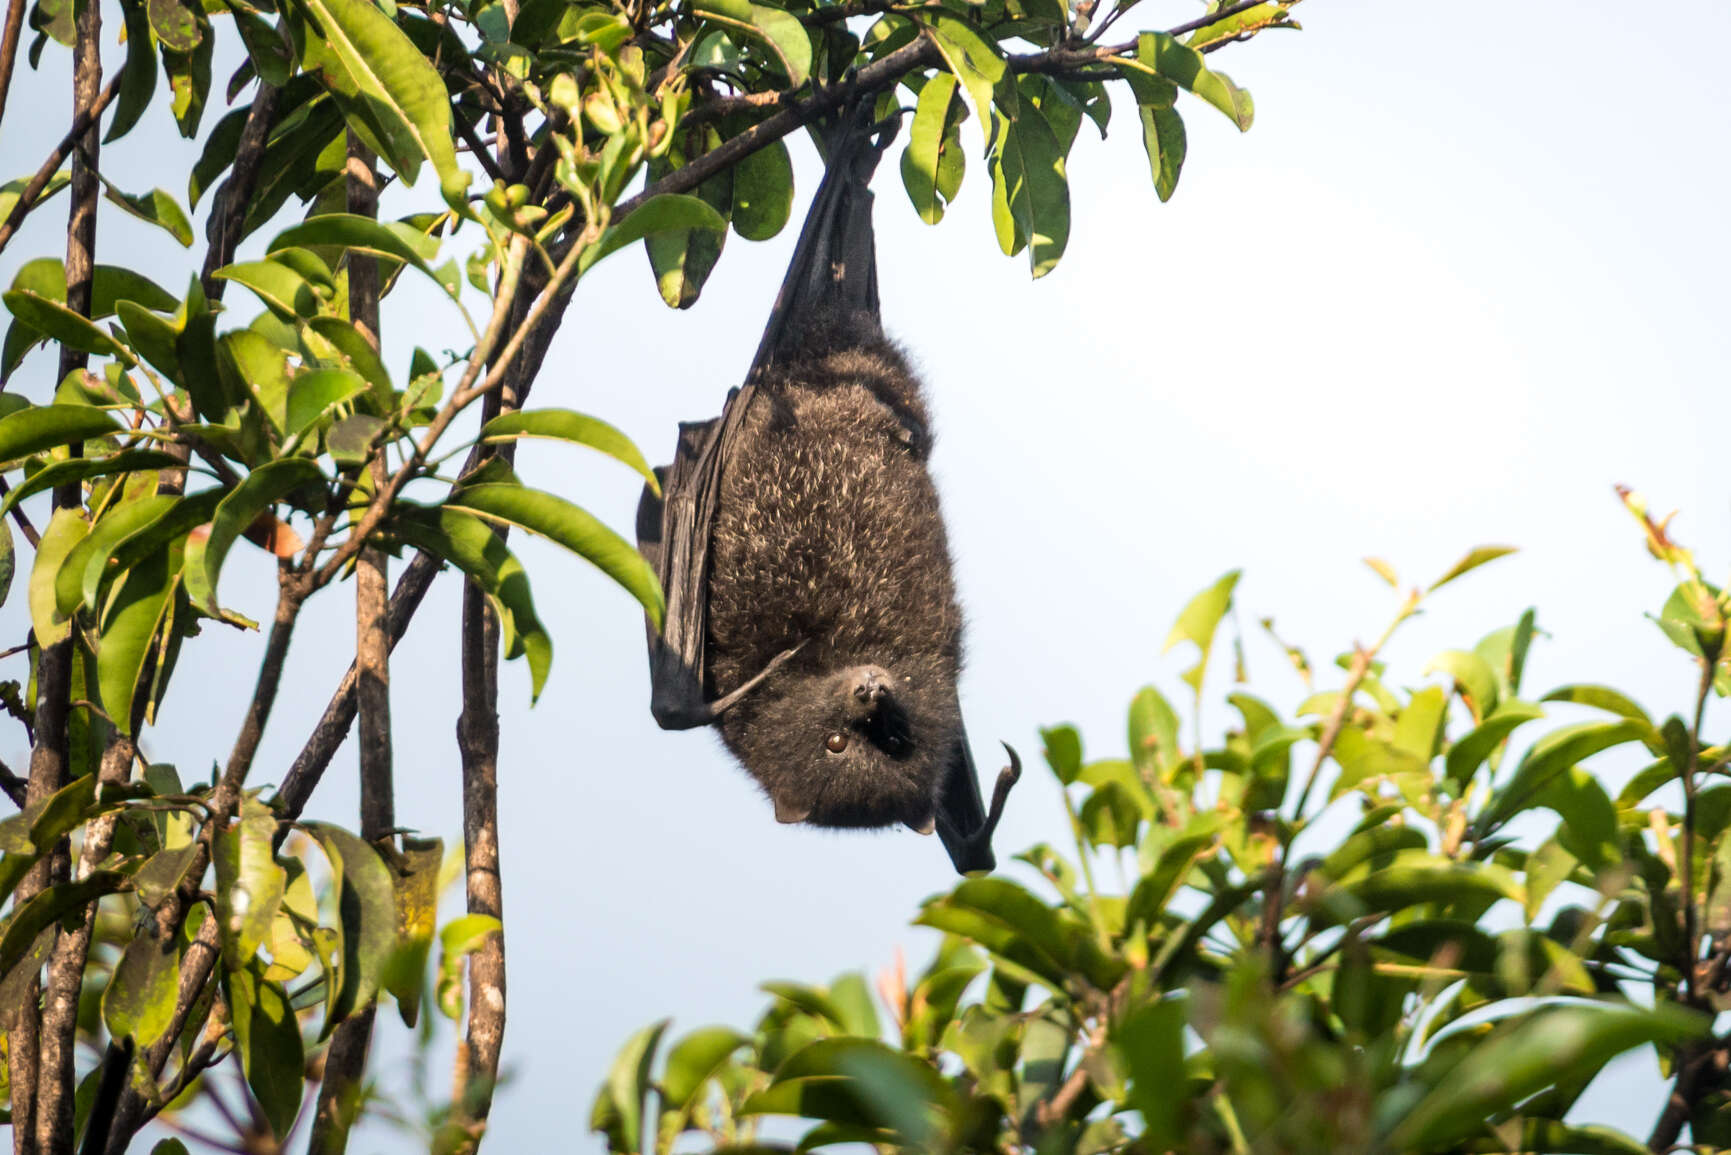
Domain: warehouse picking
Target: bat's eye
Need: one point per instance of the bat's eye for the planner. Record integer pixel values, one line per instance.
(836, 742)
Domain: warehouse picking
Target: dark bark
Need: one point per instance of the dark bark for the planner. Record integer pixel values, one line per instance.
(82, 124)
(227, 215)
(345, 1062)
(9, 49)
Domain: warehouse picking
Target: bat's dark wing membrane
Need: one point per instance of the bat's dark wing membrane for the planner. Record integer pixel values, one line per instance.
(833, 273)
(673, 534)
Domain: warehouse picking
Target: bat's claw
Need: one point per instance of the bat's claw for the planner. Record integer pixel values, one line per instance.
(972, 852)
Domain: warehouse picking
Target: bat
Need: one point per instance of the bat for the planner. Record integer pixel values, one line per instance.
(811, 611)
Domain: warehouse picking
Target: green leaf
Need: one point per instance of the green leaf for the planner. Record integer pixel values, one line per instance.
(860, 1083)
(682, 259)
(1413, 878)
(1063, 752)
(189, 78)
(1164, 140)
(1520, 1058)
(1609, 700)
(460, 938)
(618, 1110)
(1007, 920)
(12, 190)
(898, 1091)
(932, 163)
(1473, 677)
(779, 31)
(138, 84)
(1549, 757)
(268, 1037)
(577, 428)
(138, 1002)
(350, 441)
(62, 534)
(313, 396)
(85, 567)
(257, 492)
(1153, 731)
(763, 192)
(157, 207)
(351, 350)
(416, 882)
(8, 560)
(220, 147)
(48, 907)
(42, 427)
(1151, 1041)
(1476, 745)
(1184, 66)
(694, 1060)
(1030, 192)
(270, 57)
(58, 323)
(574, 528)
(669, 212)
(249, 882)
(391, 240)
(388, 91)
(128, 630)
(973, 60)
(471, 545)
(1376, 846)
(1470, 562)
(1197, 623)
(366, 906)
(283, 290)
(175, 23)
(1589, 826)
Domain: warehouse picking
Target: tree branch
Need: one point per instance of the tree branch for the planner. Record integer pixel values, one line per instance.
(33, 191)
(340, 1093)
(235, 196)
(48, 1128)
(9, 49)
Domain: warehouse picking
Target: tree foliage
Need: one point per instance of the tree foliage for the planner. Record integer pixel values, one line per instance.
(160, 924)
(1406, 916)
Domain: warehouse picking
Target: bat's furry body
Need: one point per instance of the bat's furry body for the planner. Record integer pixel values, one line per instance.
(811, 613)
(828, 536)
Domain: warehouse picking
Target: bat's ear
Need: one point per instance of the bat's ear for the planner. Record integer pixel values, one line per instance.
(924, 826)
(786, 812)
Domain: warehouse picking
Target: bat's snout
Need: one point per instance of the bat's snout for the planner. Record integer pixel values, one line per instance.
(868, 689)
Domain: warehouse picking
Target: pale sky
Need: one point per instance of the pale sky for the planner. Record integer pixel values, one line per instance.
(1463, 275)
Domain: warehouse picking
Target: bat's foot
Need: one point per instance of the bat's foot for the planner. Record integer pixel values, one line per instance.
(686, 711)
(972, 852)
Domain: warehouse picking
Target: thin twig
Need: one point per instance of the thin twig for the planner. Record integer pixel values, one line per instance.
(476, 145)
(14, 786)
(20, 518)
(9, 49)
(235, 197)
(33, 191)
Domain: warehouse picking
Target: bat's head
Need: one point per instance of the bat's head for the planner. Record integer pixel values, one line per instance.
(862, 746)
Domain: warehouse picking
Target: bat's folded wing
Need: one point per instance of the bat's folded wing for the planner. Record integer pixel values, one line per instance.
(673, 535)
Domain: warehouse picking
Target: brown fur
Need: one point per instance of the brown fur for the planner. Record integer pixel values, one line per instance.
(828, 533)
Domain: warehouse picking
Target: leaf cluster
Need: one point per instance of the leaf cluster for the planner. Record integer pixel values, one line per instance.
(1408, 916)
